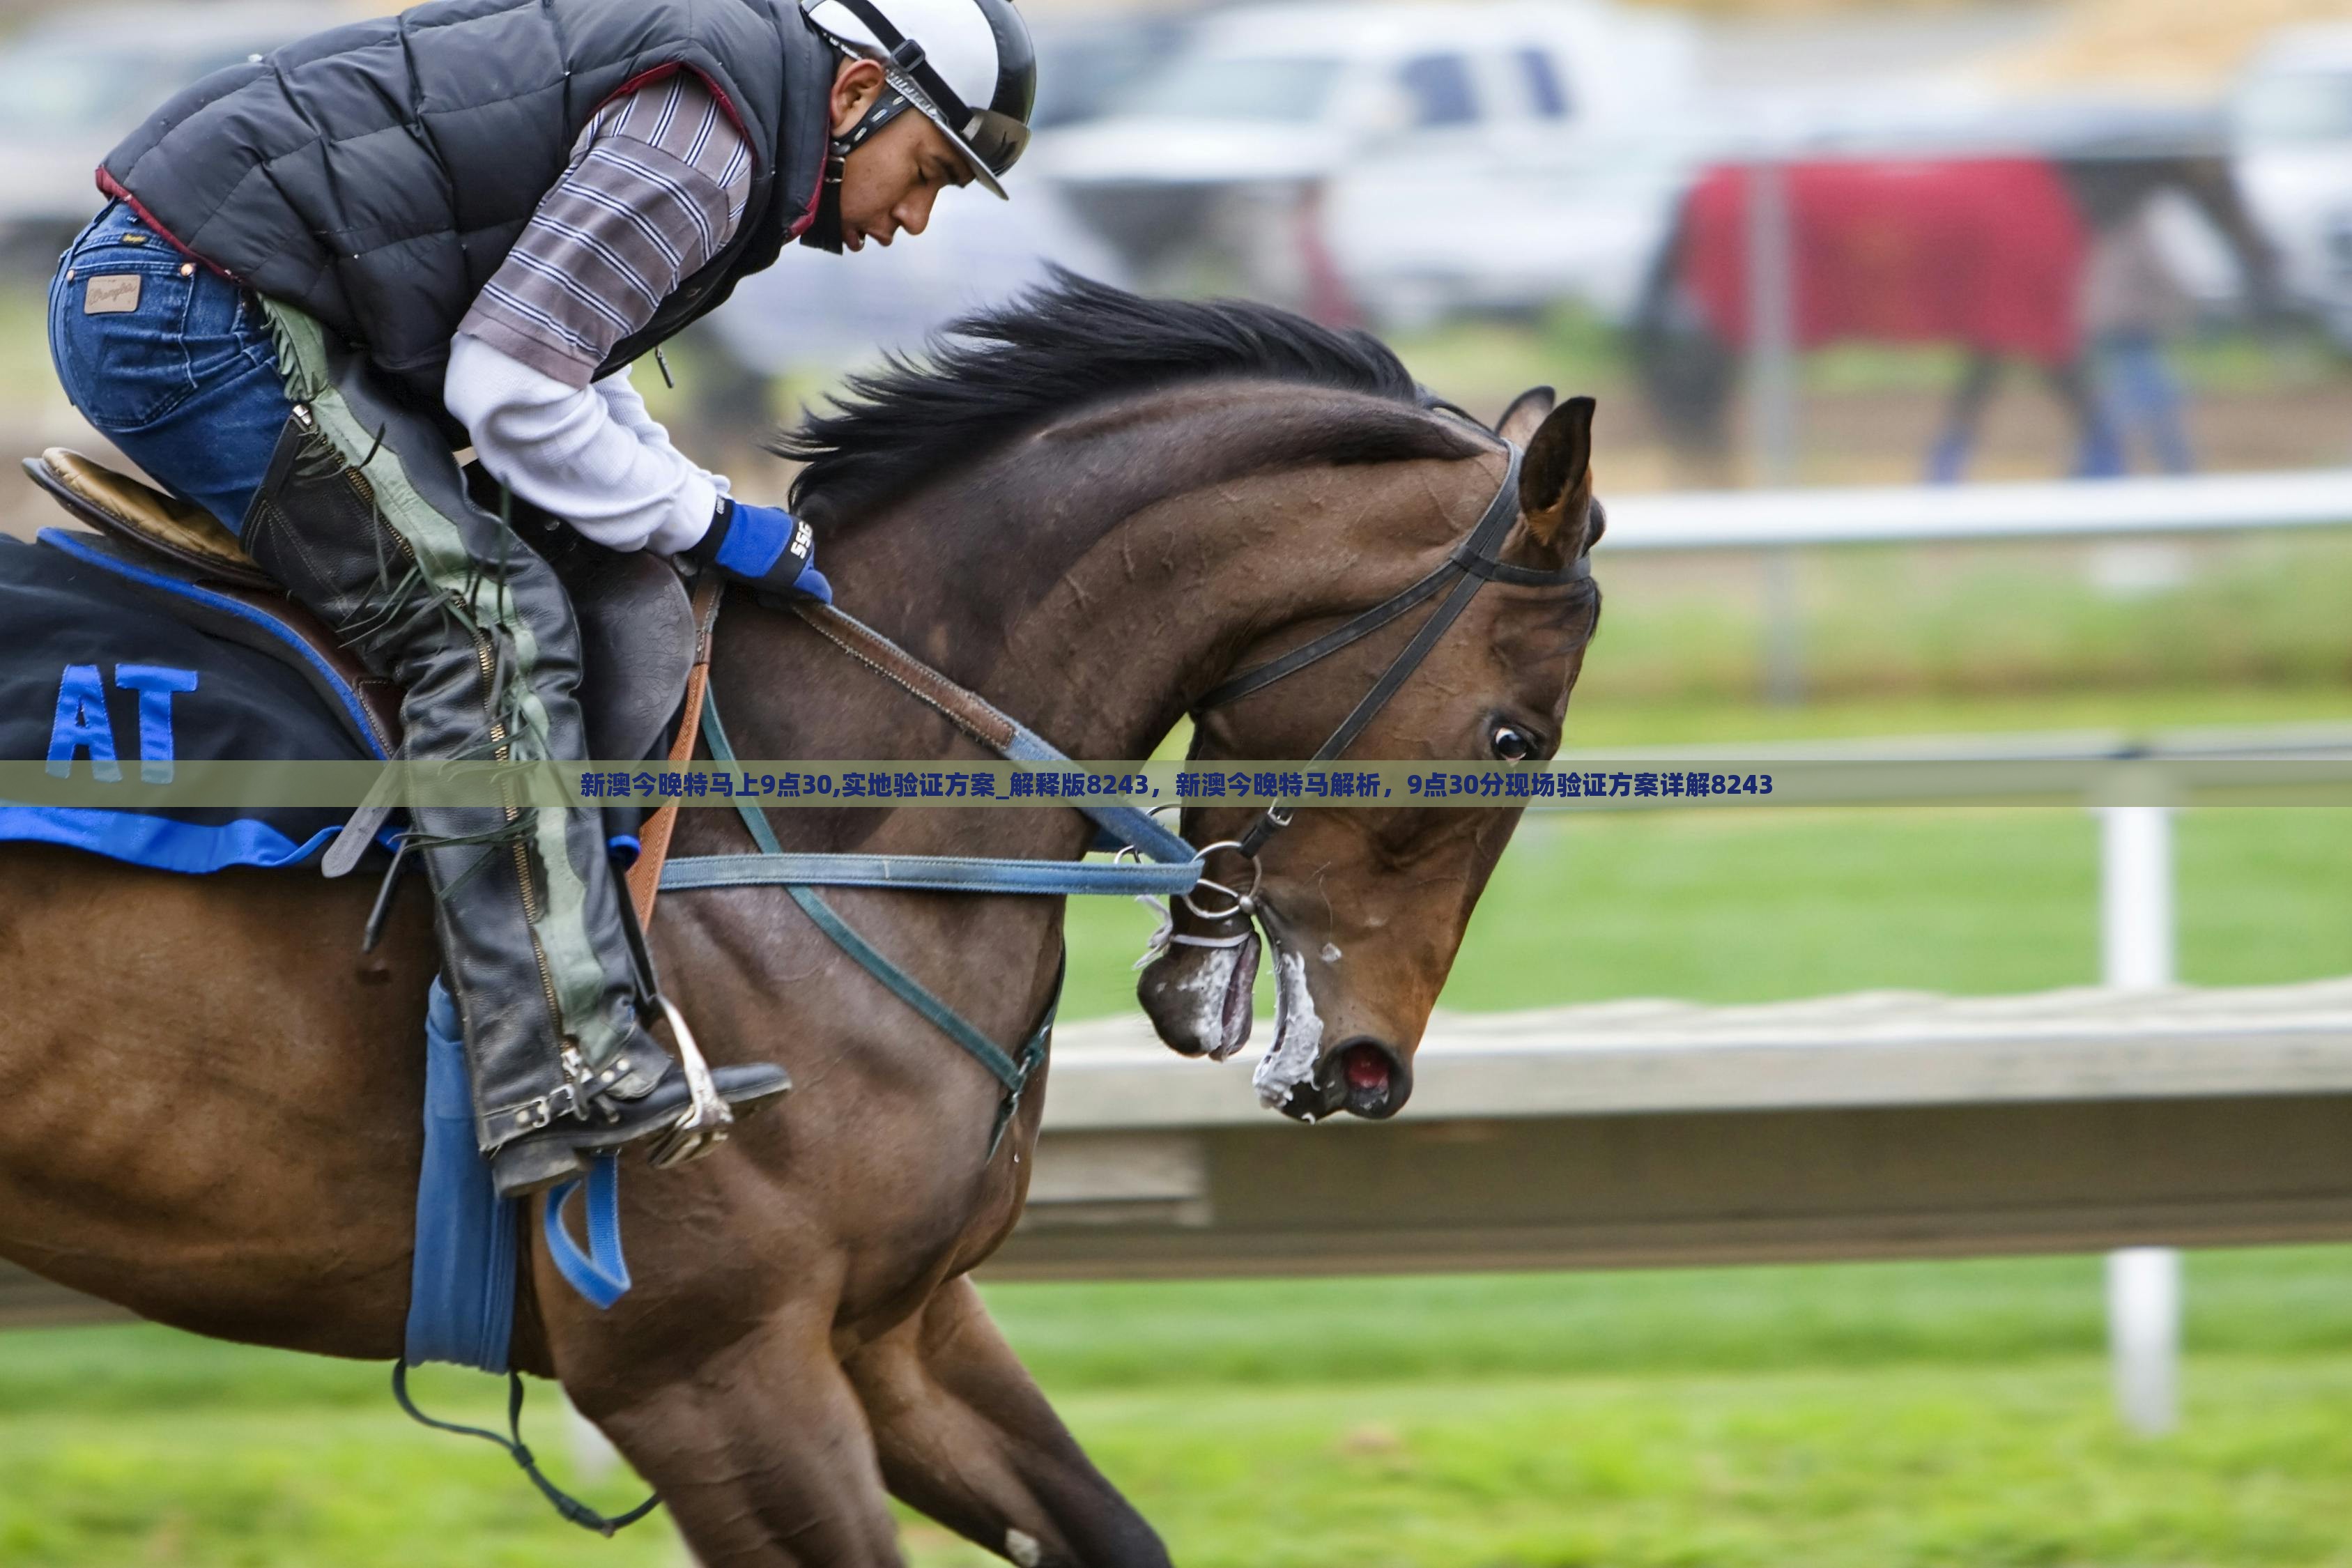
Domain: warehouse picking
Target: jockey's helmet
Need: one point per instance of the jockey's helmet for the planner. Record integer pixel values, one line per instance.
(967, 65)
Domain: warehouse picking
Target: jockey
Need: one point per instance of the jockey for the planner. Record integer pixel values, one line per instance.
(322, 273)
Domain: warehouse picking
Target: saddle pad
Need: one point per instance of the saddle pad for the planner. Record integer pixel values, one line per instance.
(94, 667)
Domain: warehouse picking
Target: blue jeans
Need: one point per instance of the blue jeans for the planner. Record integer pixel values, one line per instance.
(185, 381)
(2142, 397)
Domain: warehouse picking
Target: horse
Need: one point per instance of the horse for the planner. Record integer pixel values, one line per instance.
(1091, 509)
(1988, 254)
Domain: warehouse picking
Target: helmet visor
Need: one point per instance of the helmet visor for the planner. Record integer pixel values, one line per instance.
(998, 139)
(990, 143)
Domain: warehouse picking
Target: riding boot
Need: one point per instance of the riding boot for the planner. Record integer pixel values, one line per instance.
(364, 518)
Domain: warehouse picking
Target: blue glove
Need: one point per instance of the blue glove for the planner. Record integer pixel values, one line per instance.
(765, 547)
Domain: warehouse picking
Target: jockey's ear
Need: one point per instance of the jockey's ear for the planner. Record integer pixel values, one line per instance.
(856, 86)
(1517, 424)
(1555, 480)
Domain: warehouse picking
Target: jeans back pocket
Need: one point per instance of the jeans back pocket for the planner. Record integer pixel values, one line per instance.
(118, 332)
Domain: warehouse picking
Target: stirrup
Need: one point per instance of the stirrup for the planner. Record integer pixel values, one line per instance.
(703, 1125)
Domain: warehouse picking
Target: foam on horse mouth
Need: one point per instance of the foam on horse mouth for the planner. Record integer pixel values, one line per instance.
(1291, 1060)
(1219, 991)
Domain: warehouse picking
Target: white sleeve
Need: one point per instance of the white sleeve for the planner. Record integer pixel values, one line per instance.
(592, 456)
(628, 411)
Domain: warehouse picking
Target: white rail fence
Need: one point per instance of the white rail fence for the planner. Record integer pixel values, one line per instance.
(1775, 524)
(1900, 514)
(2137, 921)
(2136, 930)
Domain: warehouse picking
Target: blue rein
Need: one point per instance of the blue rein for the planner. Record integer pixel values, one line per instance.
(1173, 867)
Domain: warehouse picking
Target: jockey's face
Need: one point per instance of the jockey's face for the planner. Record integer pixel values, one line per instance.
(889, 182)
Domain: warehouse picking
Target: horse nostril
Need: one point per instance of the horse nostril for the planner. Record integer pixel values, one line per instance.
(1371, 1080)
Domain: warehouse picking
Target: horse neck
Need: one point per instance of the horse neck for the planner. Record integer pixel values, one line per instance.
(1100, 577)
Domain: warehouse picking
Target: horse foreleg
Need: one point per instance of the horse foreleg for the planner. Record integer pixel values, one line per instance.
(966, 1436)
(761, 1452)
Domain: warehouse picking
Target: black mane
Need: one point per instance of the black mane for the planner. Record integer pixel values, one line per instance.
(996, 375)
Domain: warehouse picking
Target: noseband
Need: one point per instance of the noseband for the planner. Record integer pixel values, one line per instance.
(1471, 566)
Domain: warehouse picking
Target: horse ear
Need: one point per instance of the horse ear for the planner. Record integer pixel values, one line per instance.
(1527, 411)
(1555, 480)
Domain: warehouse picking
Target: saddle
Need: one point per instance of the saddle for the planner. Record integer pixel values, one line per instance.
(636, 624)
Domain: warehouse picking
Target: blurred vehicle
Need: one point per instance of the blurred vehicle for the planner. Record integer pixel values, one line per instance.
(79, 83)
(1266, 104)
(1548, 220)
(2292, 121)
(1085, 67)
(821, 313)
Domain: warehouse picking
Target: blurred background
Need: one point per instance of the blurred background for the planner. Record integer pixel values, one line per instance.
(2086, 263)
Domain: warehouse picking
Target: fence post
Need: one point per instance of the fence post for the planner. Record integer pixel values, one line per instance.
(1772, 404)
(2137, 931)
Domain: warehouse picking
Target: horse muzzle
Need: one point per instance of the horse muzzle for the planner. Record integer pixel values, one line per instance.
(1198, 998)
(1364, 1078)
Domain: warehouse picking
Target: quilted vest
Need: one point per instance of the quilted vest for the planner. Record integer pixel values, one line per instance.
(376, 175)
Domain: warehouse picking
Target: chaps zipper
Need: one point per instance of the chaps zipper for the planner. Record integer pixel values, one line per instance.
(502, 743)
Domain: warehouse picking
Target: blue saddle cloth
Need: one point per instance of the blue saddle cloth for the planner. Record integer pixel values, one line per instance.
(95, 673)
(98, 674)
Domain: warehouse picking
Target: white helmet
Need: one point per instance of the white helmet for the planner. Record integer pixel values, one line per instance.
(967, 65)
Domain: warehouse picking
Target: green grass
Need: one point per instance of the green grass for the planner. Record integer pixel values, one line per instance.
(1873, 1414)
(1263, 1335)
(1825, 1468)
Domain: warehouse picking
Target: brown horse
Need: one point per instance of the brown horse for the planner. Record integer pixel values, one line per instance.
(1091, 516)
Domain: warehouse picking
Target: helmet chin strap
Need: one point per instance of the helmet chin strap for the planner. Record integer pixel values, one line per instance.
(824, 232)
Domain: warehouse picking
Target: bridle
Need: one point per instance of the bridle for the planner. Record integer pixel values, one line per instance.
(1471, 566)
(1152, 862)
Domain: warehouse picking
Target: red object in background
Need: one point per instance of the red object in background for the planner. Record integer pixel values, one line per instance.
(1987, 253)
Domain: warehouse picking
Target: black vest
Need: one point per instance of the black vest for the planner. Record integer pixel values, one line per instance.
(374, 177)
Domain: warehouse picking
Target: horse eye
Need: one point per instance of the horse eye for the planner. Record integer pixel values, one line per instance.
(1511, 743)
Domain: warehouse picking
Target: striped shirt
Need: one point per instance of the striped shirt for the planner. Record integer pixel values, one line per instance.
(656, 190)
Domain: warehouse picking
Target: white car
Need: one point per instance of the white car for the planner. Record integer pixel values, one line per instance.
(2292, 130)
(1388, 116)
(1418, 235)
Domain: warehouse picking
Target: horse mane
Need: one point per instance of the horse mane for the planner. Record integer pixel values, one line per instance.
(1072, 343)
